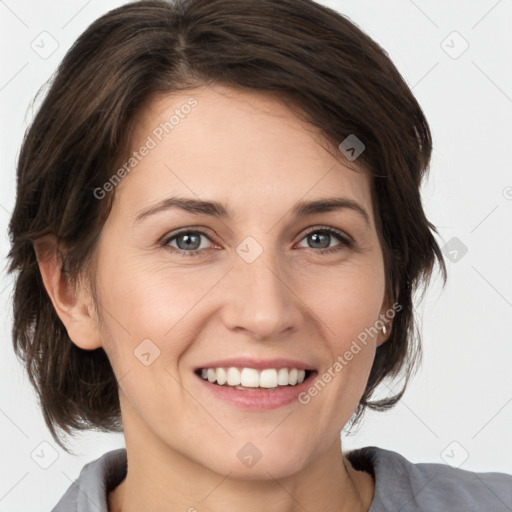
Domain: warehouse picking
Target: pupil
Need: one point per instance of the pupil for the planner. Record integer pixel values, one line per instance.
(188, 243)
(315, 238)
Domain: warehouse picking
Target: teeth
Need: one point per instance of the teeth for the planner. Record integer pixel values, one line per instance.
(233, 377)
(249, 378)
(282, 377)
(252, 378)
(268, 379)
(221, 376)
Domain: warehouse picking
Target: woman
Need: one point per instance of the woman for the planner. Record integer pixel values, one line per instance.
(218, 233)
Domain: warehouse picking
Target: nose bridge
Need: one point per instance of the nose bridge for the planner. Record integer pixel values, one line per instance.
(262, 302)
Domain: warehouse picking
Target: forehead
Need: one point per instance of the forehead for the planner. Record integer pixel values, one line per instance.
(244, 148)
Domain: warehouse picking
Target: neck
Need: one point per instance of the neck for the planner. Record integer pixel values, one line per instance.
(160, 478)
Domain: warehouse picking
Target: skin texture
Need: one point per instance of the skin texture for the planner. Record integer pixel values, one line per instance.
(250, 152)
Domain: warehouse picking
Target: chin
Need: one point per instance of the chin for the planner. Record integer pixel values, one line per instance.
(250, 463)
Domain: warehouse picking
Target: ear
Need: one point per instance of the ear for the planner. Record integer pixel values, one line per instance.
(73, 304)
(386, 316)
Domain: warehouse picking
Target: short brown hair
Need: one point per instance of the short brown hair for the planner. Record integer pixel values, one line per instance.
(312, 57)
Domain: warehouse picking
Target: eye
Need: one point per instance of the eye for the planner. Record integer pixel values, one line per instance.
(321, 237)
(188, 242)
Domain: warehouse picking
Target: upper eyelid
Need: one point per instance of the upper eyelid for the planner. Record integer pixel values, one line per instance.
(335, 231)
(202, 231)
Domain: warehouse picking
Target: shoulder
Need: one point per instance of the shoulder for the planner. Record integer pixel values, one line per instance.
(407, 486)
(88, 493)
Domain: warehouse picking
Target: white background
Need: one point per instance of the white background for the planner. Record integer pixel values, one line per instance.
(463, 393)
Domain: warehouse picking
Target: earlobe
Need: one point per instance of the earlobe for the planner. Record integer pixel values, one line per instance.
(73, 304)
(386, 324)
(384, 334)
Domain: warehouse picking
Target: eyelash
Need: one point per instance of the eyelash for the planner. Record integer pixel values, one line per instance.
(346, 242)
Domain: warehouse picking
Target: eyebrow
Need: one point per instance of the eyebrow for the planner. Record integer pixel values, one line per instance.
(216, 209)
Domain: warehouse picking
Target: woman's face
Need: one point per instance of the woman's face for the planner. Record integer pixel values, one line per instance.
(239, 278)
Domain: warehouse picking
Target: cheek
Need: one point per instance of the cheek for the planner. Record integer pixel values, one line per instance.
(148, 295)
(349, 308)
(143, 300)
(348, 300)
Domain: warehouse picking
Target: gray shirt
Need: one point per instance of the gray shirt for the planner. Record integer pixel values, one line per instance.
(400, 485)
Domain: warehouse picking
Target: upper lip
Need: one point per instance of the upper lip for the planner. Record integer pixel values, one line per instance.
(258, 364)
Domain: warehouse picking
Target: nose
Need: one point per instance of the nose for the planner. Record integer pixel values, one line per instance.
(261, 300)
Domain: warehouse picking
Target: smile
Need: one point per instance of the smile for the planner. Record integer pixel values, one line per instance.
(242, 378)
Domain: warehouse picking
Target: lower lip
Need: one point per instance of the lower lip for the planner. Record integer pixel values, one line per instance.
(258, 400)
